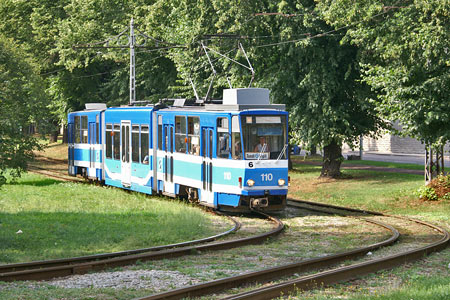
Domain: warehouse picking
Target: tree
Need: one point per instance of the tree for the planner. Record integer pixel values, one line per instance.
(318, 78)
(105, 72)
(33, 25)
(47, 30)
(312, 73)
(405, 55)
(21, 103)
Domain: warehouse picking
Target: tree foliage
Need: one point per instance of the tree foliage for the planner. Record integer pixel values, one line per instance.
(313, 73)
(21, 103)
(405, 55)
(324, 59)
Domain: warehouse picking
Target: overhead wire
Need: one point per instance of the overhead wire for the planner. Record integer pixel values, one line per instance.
(308, 36)
(328, 33)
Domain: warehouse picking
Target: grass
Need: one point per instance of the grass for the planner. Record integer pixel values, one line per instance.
(59, 219)
(317, 159)
(372, 190)
(53, 150)
(387, 192)
(381, 191)
(384, 164)
(23, 291)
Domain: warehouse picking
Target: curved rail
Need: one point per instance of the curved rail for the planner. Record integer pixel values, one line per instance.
(83, 259)
(70, 267)
(274, 273)
(347, 272)
(35, 169)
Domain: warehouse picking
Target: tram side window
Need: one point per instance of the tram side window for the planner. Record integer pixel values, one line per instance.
(180, 134)
(144, 144)
(97, 127)
(77, 129)
(160, 133)
(84, 129)
(116, 135)
(109, 137)
(135, 143)
(223, 138)
(194, 135)
(236, 138)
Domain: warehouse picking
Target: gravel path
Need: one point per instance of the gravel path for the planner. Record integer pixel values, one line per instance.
(138, 279)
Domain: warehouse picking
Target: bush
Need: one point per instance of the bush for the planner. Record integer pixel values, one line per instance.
(437, 189)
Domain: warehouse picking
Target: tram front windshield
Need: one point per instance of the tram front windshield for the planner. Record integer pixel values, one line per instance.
(264, 137)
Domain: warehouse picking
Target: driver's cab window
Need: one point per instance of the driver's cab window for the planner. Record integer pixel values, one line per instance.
(223, 138)
(264, 136)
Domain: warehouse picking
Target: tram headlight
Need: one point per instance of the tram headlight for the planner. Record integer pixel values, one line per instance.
(250, 182)
(281, 182)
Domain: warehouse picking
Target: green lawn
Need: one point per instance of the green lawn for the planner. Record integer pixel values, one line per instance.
(384, 164)
(60, 219)
(372, 190)
(386, 192)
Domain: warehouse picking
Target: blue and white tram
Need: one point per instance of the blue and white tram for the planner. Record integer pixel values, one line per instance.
(230, 156)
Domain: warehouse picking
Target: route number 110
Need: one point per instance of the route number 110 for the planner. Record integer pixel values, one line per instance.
(266, 177)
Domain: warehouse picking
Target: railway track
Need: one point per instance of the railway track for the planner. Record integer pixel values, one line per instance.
(321, 278)
(316, 280)
(55, 175)
(11, 268)
(348, 272)
(44, 270)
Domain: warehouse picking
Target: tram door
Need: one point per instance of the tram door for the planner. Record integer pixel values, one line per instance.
(92, 138)
(207, 194)
(71, 154)
(125, 153)
(168, 141)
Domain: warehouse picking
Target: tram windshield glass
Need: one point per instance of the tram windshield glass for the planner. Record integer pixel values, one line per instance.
(264, 137)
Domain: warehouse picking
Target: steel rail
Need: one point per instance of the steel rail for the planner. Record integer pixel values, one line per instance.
(274, 273)
(84, 267)
(34, 169)
(82, 259)
(348, 272)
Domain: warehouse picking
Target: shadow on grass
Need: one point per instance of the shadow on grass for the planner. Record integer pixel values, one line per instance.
(61, 234)
(305, 169)
(380, 177)
(36, 182)
(53, 145)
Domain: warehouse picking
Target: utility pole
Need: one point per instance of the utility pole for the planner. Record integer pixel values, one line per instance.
(116, 43)
(132, 43)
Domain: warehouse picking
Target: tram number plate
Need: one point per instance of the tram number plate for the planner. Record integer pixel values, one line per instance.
(227, 175)
(266, 177)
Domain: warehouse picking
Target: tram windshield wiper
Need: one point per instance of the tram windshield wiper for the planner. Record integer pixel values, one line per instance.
(282, 152)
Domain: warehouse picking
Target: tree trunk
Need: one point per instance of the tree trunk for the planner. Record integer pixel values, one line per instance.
(65, 135)
(332, 159)
(54, 136)
(54, 132)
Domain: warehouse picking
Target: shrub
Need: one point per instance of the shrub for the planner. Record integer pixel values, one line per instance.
(437, 189)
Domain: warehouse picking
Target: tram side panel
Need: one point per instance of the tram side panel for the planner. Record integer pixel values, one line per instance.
(128, 149)
(85, 144)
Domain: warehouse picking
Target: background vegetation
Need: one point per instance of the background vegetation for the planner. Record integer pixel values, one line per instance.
(341, 67)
